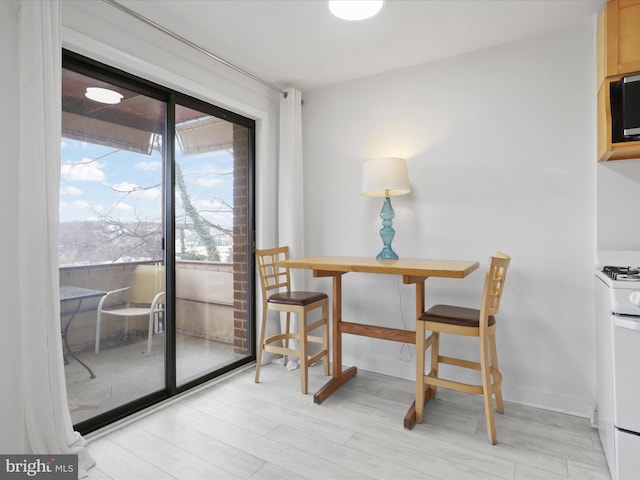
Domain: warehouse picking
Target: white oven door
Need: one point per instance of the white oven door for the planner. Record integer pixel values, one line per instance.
(626, 373)
(627, 458)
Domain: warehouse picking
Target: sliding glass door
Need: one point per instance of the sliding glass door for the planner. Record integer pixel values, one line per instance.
(211, 201)
(156, 222)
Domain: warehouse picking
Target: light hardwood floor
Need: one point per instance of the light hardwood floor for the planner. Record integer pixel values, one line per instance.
(236, 429)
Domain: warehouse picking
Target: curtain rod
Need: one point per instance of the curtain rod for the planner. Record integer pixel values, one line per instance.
(151, 23)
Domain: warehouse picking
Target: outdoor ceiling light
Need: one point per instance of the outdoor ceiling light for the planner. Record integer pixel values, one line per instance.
(355, 9)
(103, 95)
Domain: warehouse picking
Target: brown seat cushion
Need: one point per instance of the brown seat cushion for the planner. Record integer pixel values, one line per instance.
(453, 315)
(296, 298)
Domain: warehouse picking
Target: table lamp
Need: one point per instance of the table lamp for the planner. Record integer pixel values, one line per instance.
(385, 177)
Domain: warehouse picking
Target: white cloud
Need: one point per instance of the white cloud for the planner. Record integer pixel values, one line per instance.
(136, 191)
(125, 187)
(151, 194)
(209, 205)
(208, 182)
(70, 191)
(122, 206)
(84, 171)
(75, 204)
(80, 204)
(148, 166)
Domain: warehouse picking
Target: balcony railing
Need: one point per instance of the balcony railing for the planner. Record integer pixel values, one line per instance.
(204, 303)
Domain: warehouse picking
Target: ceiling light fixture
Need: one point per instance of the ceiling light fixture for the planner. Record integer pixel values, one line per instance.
(103, 95)
(355, 9)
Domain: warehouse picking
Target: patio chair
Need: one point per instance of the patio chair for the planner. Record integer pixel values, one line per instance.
(146, 298)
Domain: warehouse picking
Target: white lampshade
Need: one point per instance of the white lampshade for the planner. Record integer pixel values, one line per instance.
(382, 177)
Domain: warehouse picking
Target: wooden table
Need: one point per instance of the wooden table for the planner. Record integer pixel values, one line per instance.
(412, 271)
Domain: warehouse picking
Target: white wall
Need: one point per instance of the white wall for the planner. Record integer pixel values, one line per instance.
(500, 147)
(12, 438)
(618, 194)
(507, 133)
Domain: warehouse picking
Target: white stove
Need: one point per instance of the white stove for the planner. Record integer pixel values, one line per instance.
(624, 289)
(617, 289)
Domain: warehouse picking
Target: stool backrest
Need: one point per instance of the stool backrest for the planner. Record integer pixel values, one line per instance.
(272, 276)
(494, 285)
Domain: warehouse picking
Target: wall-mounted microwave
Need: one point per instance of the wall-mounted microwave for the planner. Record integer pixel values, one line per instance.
(625, 109)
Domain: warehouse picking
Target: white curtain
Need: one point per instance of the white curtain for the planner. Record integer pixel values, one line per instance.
(48, 423)
(290, 191)
(290, 185)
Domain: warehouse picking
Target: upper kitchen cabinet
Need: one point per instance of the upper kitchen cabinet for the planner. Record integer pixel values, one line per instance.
(618, 51)
(618, 39)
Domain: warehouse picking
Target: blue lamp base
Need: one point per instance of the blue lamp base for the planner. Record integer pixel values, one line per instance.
(387, 232)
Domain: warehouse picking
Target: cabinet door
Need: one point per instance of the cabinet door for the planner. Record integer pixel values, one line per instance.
(629, 36)
(618, 54)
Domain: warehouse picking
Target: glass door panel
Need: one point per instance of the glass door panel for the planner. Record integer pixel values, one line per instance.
(111, 240)
(211, 198)
(156, 229)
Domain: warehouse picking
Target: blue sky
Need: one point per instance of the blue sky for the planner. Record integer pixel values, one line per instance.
(97, 180)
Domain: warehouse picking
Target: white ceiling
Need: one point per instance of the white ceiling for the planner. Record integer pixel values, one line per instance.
(299, 43)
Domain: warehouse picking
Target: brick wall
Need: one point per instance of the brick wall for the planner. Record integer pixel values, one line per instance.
(241, 237)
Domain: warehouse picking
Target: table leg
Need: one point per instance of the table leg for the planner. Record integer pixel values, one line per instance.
(410, 417)
(421, 394)
(66, 341)
(337, 320)
(339, 377)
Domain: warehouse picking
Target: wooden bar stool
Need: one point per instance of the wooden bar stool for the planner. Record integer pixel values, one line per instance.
(471, 322)
(277, 296)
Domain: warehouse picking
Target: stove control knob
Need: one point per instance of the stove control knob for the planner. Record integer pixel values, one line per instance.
(634, 298)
